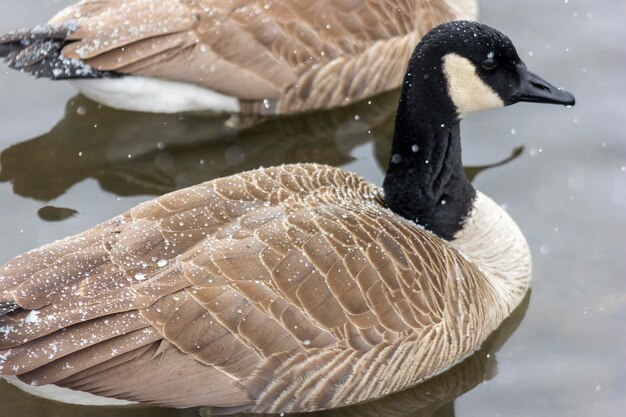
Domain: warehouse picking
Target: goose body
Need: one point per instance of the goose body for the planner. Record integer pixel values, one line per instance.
(260, 299)
(253, 56)
(293, 288)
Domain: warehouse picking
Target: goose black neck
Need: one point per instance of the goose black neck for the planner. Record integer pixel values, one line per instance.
(425, 182)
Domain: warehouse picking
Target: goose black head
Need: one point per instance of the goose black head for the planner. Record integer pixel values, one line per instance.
(458, 68)
(462, 67)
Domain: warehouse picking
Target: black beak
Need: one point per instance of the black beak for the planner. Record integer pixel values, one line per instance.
(534, 89)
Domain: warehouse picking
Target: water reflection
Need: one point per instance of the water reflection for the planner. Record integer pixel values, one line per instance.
(434, 397)
(55, 214)
(141, 153)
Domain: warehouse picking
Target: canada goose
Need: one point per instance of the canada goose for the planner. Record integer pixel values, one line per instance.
(292, 288)
(250, 56)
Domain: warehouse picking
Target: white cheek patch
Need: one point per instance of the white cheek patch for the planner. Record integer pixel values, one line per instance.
(466, 89)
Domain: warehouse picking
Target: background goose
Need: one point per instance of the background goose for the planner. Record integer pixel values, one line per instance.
(292, 288)
(254, 56)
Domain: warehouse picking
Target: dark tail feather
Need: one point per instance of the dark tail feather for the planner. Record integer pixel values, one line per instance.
(38, 51)
(7, 307)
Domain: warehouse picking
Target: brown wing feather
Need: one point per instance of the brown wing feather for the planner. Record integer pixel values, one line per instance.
(299, 55)
(261, 281)
(161, 376)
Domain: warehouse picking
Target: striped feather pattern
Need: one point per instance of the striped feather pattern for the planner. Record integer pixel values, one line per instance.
(292, 287)
(275, 56)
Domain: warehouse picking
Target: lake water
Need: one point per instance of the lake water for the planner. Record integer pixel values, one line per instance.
(67, 164)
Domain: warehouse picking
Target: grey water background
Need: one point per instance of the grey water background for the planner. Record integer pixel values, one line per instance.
(566, 191)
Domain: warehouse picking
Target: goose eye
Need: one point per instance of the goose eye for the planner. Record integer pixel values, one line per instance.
(489, 63)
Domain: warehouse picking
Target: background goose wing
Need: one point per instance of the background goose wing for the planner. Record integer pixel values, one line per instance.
(251, 281)
(257, 49)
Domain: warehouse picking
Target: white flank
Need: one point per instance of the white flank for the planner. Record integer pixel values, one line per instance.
(492, 241)
(153, 95)
(66, 395)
